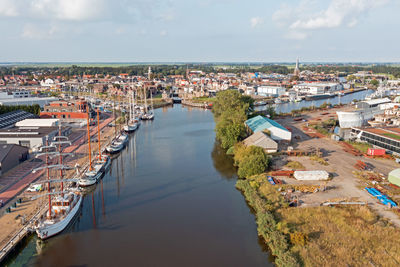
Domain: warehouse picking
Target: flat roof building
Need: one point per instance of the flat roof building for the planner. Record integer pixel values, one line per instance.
(7, 120)
(387, 138)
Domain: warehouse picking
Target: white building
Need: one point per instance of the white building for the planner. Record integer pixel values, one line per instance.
(47, 83)
(38, 123)
(41, 101)
(271, 91)
(317, 88)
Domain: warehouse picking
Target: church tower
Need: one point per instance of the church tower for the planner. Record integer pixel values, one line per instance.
(296, 69)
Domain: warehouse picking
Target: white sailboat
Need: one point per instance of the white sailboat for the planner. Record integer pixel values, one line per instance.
(93, 174)
(63, 206)
(103, 160)
(148, 114)
(131, 124)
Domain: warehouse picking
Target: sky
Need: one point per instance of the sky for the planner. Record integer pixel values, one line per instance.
(199, 30)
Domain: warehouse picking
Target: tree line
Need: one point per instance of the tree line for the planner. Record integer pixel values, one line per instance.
(231, 110)
(34, 109)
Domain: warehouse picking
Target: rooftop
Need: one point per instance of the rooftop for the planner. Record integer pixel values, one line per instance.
(260, 123)
(25, 132)
(8, 119)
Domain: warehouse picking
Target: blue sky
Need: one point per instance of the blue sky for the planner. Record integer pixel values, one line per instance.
(199, 30)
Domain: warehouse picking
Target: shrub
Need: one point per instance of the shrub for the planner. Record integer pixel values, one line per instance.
(298, 238)
(251, 160)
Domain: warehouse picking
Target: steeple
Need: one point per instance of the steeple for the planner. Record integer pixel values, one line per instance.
(149, 73)
(296, 69)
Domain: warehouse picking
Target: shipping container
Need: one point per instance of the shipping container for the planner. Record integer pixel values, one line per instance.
(376, 151)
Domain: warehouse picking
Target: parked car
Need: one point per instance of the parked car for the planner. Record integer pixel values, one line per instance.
(35, 188)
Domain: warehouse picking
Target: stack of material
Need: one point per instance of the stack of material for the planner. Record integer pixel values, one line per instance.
(311, 175)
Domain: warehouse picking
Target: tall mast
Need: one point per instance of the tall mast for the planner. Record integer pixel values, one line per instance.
(88, 132)
(145, 98)
(61, 161)
(48, 175)
(98, 130)
(115, 119)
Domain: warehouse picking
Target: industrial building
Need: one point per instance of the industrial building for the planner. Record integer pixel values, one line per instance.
(31, 137)
(387, 138)
(7, 120)
(38, 123)
(317, 88)
(262, 140)
(11, 155)
(262, 124)
(274, 91)
(67, 110)
(41, 101)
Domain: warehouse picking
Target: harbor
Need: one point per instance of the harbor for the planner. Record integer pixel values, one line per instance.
(145, 208)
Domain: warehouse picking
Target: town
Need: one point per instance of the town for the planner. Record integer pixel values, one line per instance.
(331, 133)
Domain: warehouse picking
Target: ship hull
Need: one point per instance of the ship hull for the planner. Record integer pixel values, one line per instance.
(48, 231)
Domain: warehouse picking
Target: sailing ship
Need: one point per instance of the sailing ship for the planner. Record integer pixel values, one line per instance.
(63, 206)
(131, 124)
(95, 171)
(119, 142)
(148, 113)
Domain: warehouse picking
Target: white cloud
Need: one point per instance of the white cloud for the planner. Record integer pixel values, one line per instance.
(8, 8)
(296, 35)
(68, 9)
(32, 31)
(164, 33)
(256, 21)
(299, 20)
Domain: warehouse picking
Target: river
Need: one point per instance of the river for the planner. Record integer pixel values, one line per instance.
(346, 99)
(169, 199)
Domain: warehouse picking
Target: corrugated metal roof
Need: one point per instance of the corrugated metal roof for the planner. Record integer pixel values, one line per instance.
(9, 119)
(260, 139)
(260, 123)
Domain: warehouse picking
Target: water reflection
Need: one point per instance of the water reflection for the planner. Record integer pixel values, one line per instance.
(222, 162)
(165, 202)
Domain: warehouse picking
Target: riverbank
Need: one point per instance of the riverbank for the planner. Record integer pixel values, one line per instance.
(17, 224)
(309, 236)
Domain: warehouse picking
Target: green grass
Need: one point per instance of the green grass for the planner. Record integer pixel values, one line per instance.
(392, 135)
(362, 147)
(295, 165)
(203, 99)
(320, 236)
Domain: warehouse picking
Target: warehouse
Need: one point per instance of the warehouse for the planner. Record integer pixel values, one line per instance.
(276, 131)
(387, 138)
(262, 140)
(7, 120)
(394, 177)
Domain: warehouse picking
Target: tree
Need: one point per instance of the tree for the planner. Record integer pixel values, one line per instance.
(230, 101)
(230, 112)
(270, 112)
(250, 160)
(374, 82)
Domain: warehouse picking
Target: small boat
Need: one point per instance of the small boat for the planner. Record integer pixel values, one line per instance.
(148, 116)
(130, 127)
(104, 161)
(260, 103)
(278, 101)
(92, 176)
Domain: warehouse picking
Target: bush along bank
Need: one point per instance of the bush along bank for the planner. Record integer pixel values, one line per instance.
(256, 191)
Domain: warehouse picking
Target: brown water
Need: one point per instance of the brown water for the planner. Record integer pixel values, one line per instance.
(168, 200)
